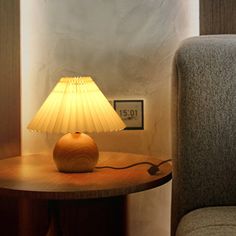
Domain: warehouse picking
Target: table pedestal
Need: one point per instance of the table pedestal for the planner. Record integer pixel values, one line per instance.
(33, 217)
(103, 216)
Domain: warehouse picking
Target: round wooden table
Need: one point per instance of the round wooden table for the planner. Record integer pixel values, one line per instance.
(77, 203)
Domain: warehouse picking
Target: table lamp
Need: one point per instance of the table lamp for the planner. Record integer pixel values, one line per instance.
(76, 105)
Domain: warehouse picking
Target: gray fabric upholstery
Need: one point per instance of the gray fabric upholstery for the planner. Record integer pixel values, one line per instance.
(210, 221)
(204, 93)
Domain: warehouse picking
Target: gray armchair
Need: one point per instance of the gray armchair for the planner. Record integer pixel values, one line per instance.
(204, 166)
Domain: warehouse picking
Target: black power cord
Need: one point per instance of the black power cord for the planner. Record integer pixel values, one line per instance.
(151, 170)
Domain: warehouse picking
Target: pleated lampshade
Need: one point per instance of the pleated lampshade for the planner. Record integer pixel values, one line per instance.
(76, 105)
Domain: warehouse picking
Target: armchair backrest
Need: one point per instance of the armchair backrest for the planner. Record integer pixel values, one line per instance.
(204, 85)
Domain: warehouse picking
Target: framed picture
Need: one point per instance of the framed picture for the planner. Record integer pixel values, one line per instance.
(131, 112)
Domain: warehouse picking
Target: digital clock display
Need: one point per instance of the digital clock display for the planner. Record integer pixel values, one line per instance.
(131, 112)
(127, 114)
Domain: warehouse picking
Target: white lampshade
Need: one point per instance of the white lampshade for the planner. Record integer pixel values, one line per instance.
(76, 105)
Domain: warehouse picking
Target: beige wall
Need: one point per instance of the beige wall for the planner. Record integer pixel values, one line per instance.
(127, 47)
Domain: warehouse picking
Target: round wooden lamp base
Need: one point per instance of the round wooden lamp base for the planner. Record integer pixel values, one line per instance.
(75, 153)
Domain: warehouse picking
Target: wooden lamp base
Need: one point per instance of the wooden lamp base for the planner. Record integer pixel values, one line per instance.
(75, 153)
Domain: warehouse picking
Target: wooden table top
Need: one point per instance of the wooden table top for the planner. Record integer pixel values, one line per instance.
(35, 176)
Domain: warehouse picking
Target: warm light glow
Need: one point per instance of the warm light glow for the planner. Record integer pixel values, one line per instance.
(76, 105)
